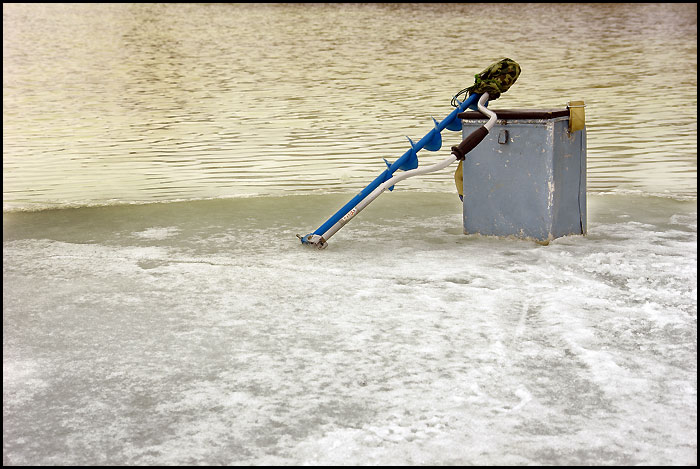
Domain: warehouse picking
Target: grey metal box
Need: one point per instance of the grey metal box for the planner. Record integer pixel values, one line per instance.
(527, 178)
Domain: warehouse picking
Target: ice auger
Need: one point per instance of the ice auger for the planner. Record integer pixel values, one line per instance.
(493, 81)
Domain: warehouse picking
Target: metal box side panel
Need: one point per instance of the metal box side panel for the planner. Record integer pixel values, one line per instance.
(568, 181)
(507, 185)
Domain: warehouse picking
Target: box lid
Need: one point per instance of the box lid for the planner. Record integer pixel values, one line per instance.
(514, 114)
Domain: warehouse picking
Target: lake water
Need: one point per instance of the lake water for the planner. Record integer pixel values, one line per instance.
(123, 103)
(158, 309)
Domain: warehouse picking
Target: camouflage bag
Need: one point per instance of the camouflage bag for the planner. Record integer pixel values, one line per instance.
(496, 78)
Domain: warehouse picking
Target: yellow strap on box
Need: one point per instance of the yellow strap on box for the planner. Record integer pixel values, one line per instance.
(577, 115)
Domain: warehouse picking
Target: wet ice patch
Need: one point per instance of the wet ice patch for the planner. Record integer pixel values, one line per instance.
(685, 220)
(157, 233)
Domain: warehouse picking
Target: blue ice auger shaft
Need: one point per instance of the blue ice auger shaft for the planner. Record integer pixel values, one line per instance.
(432, 141)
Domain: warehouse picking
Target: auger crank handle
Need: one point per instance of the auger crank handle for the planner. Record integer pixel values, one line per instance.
(475, 138)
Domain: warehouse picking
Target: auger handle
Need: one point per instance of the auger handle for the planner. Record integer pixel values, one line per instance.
(469, 143)
(475, 138)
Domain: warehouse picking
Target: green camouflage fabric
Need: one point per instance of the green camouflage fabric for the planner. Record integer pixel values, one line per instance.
(496, 78)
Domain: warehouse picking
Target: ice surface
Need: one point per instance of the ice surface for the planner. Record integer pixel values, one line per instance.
(204, 333)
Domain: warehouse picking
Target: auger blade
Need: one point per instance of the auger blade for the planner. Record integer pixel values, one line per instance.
(388, 173)
(412, 160)
(435, 140)
(455, 125)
